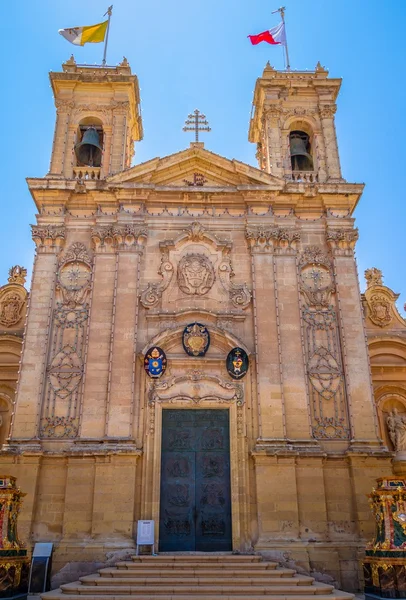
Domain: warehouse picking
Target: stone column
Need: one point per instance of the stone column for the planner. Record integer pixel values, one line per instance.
(266, 331)
(293, 371)
(130, 241)
(59, 148)
(330, 141)
(49, 240)
(118, 138)
(97, 367)
(364, 426)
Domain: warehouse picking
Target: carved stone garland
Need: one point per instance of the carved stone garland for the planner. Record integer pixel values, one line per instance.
(204, 388)
(61, 405)
(322, 347)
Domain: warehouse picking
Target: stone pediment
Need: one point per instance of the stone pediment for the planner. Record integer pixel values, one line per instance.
(195, 168)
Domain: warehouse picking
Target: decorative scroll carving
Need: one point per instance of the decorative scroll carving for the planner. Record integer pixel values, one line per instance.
(196, 387)
(322, 346)
(120, 237)
(342, 241)
(266, 239)
(17, 274)
(195, 274)
(64, 375)
(239, 293)
(152, 295)
(48, 238)
(328, 111)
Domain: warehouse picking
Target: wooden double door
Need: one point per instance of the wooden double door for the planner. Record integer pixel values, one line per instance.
(195, 506)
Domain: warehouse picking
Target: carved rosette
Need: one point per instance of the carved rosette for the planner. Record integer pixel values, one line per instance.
(342, 241)
(48, 238)
(110, 238)
(316, 277)
(272, 239)
(74, 275)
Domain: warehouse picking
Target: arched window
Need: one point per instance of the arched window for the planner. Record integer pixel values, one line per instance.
(300, 151)
(89, 143)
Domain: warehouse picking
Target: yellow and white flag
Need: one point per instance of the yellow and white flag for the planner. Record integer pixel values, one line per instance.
(84, 35)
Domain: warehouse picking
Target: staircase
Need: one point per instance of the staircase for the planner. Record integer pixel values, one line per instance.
(196, 576)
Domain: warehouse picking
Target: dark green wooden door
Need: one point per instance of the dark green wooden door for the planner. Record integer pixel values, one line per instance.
(195, 509)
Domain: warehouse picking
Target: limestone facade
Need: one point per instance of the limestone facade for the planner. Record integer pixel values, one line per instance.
(126, 257)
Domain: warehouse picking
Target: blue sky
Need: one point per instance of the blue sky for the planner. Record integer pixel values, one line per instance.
(196, 55)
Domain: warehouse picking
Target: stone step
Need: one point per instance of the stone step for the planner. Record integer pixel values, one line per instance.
(190, 590)
(262, 566)
(203, 557)
(192, 572)
(336, 595)
(141, 580)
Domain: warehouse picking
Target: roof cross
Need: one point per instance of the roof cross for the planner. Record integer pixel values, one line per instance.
(196, 122)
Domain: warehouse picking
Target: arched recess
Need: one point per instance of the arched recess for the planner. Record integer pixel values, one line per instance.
(387, 399)
(309, 126)
(196, 383)
(10, 354)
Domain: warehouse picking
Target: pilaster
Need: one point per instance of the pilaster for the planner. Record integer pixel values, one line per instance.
(49, 240)
(355, 349)
(327, 113)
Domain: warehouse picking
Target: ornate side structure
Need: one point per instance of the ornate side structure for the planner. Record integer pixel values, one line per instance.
(186, 261)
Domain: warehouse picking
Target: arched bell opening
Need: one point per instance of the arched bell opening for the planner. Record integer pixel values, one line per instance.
(89, 143)
(300, 151)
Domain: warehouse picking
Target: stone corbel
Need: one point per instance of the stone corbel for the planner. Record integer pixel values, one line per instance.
(342, 241)
(48, 238)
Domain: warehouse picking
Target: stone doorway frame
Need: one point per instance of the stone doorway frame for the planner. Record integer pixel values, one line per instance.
(174, 394)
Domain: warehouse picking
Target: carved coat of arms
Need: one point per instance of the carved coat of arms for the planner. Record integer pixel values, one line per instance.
(10, 309)
(196, 339)
(195, 274)
(380, 310)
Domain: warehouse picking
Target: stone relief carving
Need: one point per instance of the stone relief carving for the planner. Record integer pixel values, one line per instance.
(17, 274)
(64, 374)
(397, 429)
(152, 295)
(269, 239)
(342, 241)
(322, 346)
(195, 274)
(119, 237)
(380, 302)
(380, 310)
(328, 111)
(373, 277)
(11, 305)
(47, 238)
(196, 387)
(239, 293)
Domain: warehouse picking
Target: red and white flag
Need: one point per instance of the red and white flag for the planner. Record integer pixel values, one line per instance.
(276, 35)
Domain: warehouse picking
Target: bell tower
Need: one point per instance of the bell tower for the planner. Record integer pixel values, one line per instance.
(293, 125)
(97, 122)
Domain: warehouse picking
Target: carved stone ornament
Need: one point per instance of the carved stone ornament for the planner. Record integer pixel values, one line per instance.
(196, 339)
(152, 295)
(11, 305)
(196, 387)
(266, 239)
(17, 274)
(239, 293)
(316, 276)
(328, 111)
(380, 310)
(342, 241)
(74, 274)
(324, 373)
(195, 274)
(47, 238)
(120, 237)
(373, 277)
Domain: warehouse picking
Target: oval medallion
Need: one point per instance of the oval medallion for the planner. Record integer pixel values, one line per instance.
(237, 363)
(196, 339)
(155, 362)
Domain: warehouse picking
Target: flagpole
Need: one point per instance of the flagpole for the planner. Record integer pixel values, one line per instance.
(281, 10)
(109, 11)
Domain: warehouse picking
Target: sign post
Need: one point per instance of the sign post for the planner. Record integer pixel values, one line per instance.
(146, 535)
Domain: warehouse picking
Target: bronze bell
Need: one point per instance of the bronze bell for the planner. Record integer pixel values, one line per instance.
(299, 144)
(88, 150)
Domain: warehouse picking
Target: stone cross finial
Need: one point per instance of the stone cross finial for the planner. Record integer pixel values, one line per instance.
(17, 274)
(373, 277)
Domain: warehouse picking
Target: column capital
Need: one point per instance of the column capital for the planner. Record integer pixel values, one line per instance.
(272, 239)
(342, 241)
(121, 238)
(48, 238)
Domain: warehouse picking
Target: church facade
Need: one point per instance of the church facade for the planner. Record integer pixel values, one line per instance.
(196, 349)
